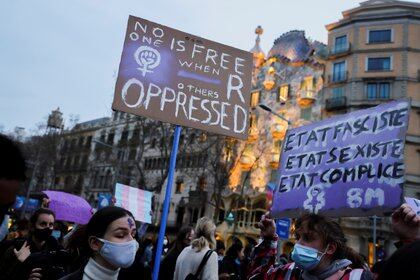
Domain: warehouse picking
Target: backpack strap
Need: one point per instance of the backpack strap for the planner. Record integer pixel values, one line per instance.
(203, 263)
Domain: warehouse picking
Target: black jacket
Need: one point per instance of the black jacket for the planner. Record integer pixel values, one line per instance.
(50, 258)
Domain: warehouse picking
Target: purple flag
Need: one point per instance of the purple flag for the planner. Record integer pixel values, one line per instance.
(348, 165)
(69, 207)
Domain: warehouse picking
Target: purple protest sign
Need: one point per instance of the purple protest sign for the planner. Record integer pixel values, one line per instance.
(349, 165)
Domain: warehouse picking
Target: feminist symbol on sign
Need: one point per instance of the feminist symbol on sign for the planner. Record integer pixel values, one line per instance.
(316, 199)
(148, 59)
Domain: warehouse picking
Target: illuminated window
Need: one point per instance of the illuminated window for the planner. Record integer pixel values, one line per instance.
(253, 120)
(255, 98)
(308, 84)
(284, 93)
(179, 187)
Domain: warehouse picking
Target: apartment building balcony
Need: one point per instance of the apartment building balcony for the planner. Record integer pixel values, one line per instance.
(338, 77)
(306, 98)
(335, 103)
(339, 51)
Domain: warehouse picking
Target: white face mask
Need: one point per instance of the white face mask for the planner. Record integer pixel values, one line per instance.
(119, 254)
(4, 228)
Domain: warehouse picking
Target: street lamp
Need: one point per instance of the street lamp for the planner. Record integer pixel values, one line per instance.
(268, 109)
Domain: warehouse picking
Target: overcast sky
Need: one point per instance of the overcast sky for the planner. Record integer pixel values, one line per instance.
(66, 53)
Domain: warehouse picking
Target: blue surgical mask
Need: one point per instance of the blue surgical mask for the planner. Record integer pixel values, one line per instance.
(305, 257)
(56, 234)
(4, 227)
(119, 254)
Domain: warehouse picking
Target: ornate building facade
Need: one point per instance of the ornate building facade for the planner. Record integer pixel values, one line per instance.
(289, 80)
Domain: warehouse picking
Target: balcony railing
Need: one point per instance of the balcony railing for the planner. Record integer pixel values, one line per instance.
(340, 50)
(338, 77)
(306, 98)
(335, 103)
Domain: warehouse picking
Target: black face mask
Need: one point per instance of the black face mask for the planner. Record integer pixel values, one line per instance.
(42, 234)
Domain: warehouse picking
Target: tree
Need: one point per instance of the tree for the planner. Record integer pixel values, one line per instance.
(41, 152)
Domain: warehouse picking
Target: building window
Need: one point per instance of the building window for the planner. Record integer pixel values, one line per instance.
(284, 93)
(153, 143)
(339, 71)
(136, 134)
(306, 113)
(273, 176)
(111, 138)
(253, 120)
(340, 43)
(81, 140)
(245, 179)
(380, 36)
(132, 154)
(255, 98)
(379, 64)
(337, 92)
(202, 183)
(88, 142)
(124, 136)
(378, 90)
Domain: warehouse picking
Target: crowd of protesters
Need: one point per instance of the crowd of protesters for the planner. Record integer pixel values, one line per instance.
(109, 247)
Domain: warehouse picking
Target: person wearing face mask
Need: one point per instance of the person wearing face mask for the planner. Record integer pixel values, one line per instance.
(167, 266)
(12, 175)
(320, 253)
(31, 255)
(111, 244)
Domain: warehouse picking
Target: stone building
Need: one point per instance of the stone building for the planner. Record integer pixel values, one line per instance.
(95, 155)
(374, 57)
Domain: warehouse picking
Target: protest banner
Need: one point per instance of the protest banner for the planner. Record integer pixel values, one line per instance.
(137, 201)
(179, 78)
(414, 204)
(349, 165)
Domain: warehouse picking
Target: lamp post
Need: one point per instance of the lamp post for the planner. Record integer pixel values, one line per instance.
(268, 109)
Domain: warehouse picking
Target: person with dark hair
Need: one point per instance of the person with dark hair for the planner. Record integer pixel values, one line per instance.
(404, 263)
(12, 175)
(377, 269)
(320, 252)
(109, 240)
(29, 257)
(230, 267)
(220, 250)
(167, 266)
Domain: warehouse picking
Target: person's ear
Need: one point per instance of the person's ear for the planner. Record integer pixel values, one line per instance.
(95, 244)
(331, 248)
